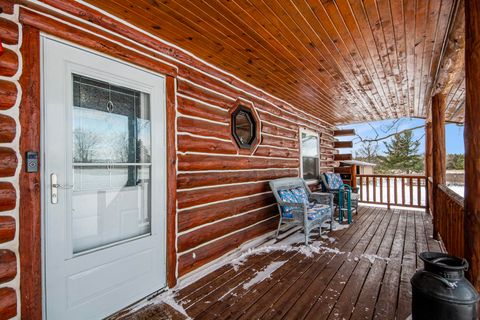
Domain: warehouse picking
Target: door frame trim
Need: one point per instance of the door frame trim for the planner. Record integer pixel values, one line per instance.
(30, 210)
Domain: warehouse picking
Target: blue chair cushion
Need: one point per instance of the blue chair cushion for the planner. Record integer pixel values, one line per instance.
(287, 196)
(294, 195)
(334, 180)
(300, 195)
(316, 211)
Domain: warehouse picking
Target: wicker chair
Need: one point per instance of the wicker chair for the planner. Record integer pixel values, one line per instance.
(331, 182)
(298, 205)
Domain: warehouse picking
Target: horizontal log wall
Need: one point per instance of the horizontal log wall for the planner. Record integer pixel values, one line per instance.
(10, 96)
(223, 195)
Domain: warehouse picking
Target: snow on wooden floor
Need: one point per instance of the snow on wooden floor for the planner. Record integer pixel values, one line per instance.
(360, 272)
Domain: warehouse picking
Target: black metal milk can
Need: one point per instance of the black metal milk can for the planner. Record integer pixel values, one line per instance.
(440, 291)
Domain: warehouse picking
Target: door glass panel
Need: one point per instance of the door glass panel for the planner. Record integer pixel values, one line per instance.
(111, 164)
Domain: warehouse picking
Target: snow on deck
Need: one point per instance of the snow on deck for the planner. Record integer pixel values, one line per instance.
(365, 267)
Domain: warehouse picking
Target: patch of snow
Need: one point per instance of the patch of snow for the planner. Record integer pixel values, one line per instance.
(229, 291)
(264, 274)
(237, 263)
(225, 259)
(337, 226)
(315, 248)
(330, 239)
(460, 190)
(293, 243)
(372, 257)
(167, 297)
(170, 300)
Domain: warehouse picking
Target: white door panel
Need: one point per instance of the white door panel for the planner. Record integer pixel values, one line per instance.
(104, 139)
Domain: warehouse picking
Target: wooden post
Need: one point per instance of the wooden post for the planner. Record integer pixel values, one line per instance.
(428, 163)
(438, 152)
(428, 149)
(353, 178)
(472, 141)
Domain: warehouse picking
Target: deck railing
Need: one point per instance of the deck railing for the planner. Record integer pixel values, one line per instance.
(393, 190)
(450, 220)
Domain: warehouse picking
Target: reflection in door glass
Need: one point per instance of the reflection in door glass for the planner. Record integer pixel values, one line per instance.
(111, 163)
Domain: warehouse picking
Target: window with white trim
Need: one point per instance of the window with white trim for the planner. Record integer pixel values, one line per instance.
(310, 154)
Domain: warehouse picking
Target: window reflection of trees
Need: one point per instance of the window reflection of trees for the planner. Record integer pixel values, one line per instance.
(84, 145)
(111, 199)
(112, 129)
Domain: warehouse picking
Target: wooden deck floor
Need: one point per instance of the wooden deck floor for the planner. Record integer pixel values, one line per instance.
(364, 273)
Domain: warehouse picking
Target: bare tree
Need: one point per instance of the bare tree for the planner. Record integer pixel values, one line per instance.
(368, 151)
(119, 145)
(84, 143)
(387, 131)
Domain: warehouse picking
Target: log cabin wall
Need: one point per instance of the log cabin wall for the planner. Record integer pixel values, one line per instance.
(10, 160)
(223, 198)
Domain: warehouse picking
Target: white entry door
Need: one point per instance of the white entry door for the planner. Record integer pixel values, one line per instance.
(104, 182)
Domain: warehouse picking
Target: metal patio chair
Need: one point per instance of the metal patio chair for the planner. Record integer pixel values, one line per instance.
(333, 183)
(298, 205)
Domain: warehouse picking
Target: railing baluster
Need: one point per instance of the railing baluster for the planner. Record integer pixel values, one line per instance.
(388, 192)
(410, 181)
(395, 191)
(370, 182)
(381, 189)
(368, 189)
(419, 193)
(361, 189)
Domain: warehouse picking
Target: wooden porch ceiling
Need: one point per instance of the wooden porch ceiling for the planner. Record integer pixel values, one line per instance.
(341, 60)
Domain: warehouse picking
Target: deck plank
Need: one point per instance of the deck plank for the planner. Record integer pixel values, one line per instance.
(343, 235)
(315, 291)
(367, 278)
(345, 304)
(365, 305)
(281, 306)
(421, 243)
(342, 295)
(387, 299)
(228, 284)
(409, 263)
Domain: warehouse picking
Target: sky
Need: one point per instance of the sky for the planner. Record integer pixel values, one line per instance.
(453, 134)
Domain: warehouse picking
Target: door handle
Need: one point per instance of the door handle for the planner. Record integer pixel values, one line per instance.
(53, 189)
(54, 186)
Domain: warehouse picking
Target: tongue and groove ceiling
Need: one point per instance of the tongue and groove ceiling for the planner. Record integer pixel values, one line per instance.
(341, 60)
